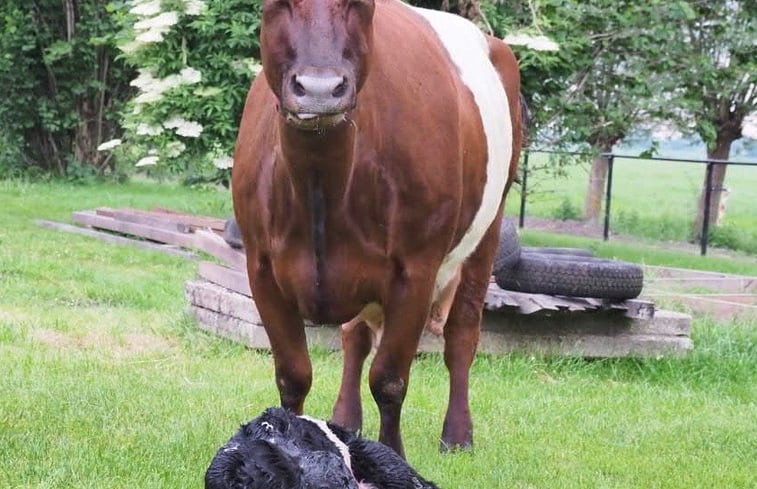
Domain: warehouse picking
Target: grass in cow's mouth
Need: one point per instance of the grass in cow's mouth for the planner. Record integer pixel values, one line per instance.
(107, 384)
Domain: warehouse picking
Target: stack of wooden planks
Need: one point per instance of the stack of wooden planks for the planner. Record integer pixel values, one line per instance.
(221, 301)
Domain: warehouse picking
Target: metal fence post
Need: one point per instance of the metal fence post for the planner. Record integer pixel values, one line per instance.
(523, 190)
(706, 218)
(608, 198)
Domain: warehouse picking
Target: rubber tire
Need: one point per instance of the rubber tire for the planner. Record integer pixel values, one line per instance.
(232, 235)
(557, 251)
(574, 276)
(508, 251)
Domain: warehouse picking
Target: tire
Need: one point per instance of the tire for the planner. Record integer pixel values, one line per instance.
(232, 235)
(557, 251)
(575, 276)
(508, 251)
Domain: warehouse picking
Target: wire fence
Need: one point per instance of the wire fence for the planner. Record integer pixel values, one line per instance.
(612, 159)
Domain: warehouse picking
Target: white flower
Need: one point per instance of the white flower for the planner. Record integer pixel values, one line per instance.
(190, 130)
(149, 97)
(749, 126)
(174, 149)
(184, 127)
(190, 75)
(146, 8)
(148, 130)
(144, 79)
(162, 21)
(537, 43)
(223, 162)
(109, 145)
(147, 161)
(153, 35)
(194, 7)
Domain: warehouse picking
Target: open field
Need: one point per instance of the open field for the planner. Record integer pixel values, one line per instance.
(652, 199)
(106, 383)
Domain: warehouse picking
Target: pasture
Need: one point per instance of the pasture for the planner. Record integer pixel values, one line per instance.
(106, 383)
(651, 199)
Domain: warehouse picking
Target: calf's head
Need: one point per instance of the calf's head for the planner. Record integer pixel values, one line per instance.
(316, 56)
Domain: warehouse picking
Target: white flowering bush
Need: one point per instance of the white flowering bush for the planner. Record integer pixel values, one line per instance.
(195, 61)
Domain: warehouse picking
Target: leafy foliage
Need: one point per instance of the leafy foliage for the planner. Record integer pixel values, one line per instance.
(62, 87)
(194, 75)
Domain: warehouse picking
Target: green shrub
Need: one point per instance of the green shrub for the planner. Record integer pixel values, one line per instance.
(195, 61)
(62, 85)
(567, 211)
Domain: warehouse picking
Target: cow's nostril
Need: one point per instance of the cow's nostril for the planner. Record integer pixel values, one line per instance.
(297, 87)
(340, 89)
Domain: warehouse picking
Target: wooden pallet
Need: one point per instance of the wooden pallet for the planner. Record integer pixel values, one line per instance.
(601, 333)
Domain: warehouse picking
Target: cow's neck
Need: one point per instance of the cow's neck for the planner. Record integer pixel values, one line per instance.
(319, 161)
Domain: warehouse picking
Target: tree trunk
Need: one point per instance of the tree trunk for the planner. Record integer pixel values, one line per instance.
(721, 151)
(596, 189)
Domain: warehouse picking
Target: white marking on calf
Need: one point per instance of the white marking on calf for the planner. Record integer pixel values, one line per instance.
(469, 51)
(340, 445)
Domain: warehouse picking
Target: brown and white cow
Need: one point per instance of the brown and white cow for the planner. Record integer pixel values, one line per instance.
(370, 173)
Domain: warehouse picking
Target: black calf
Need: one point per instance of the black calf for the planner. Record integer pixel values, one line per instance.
(279, 450)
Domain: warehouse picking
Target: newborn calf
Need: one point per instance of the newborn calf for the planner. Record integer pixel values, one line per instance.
(279, 450)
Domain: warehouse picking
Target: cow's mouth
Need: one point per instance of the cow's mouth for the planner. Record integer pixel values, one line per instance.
(314, 122)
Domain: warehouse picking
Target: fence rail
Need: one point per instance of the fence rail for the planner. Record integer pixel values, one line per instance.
(709, 189)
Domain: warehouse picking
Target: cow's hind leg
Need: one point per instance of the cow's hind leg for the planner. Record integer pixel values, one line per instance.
(357, 343)
(461, 334)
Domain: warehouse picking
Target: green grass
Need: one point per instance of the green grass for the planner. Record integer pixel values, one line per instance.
(107, 384)
(651, 199)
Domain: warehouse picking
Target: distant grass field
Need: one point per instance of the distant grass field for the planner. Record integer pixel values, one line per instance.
(652, 199)
(106, 383)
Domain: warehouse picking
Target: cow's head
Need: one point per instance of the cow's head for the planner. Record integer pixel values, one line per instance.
(316, 56)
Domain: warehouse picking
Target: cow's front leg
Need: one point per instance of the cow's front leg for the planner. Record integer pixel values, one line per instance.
(286, 332)
(406, 312)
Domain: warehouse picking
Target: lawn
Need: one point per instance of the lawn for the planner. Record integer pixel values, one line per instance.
(106, 383)
(653, 199)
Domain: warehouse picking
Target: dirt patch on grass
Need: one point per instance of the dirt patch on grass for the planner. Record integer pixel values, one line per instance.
(124, 346)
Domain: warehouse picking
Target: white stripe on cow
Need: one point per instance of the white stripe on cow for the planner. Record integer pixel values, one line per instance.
(469, 51)
(340, 445)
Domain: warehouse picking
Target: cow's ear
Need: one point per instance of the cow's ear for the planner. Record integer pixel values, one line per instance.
(279, 468)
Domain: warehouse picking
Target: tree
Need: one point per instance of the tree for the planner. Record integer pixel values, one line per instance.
(711, 50)
(599, 86)
(62, 83)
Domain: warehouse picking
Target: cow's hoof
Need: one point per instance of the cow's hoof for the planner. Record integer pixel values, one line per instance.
(445, 447)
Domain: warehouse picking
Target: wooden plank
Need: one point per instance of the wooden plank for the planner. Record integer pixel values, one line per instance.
(145, 218)
(498, 299)
(219, 299)
(199, 222)
(234, 280)
(607, 323)
(678, 277)
(215, 246)
(118, 240)
(254, 336)
(89, 218)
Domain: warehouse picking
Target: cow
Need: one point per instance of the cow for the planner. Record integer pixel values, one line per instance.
(371, 167)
